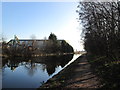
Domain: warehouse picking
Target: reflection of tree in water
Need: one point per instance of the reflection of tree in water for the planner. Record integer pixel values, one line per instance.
(50, 68)
(53, 61)
(31, 67)
(4, 61)
(65, 59)
(12, 63)
(45, 63)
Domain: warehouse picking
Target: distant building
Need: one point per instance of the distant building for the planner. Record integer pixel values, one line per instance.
(36, 43)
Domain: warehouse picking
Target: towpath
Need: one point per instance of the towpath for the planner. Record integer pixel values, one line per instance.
(76, 75)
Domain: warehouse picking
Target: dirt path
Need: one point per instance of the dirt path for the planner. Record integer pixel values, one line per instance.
(77, 75)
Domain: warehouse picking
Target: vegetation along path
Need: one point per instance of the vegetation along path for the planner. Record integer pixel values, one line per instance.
(76, 75)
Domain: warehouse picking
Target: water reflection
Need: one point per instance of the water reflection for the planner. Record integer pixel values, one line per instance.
(30, 72)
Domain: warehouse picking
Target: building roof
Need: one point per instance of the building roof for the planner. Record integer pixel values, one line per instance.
(33, 40)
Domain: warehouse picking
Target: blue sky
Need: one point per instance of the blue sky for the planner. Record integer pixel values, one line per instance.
(40, 19)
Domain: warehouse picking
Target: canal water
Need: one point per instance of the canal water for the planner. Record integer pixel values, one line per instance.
(32, 72)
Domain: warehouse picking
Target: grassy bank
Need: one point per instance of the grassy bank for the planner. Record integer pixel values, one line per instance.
(107, 70)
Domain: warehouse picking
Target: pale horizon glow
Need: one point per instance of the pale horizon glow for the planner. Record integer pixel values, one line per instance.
(40, 19)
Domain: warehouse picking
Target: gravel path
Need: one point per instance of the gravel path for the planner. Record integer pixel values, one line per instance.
(76, 75)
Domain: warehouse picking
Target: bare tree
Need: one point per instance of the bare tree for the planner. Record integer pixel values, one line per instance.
(101, 27)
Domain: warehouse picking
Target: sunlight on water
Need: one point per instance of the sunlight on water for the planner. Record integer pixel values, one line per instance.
(74, 58)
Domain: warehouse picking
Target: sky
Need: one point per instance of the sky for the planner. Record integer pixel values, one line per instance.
(25, 19)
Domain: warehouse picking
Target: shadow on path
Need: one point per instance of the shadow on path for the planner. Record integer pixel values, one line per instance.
(76, 75)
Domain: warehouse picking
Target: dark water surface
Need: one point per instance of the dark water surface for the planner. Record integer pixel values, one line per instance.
(32, 72)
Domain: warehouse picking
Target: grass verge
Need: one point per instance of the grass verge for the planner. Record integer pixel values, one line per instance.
(107, 70)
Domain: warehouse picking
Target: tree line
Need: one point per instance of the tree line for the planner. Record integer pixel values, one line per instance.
(62, 46)
(33, 47)
(101, 32)
(101, 23)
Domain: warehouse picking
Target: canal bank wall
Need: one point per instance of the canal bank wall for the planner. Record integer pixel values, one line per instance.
(76, 75)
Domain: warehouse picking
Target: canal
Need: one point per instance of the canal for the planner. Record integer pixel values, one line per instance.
(32, 72)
